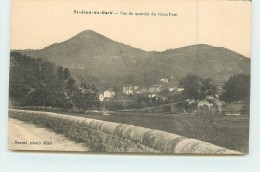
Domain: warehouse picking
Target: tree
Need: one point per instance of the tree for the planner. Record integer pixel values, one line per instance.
(66, 73)
(60, 71)
(33, 82)
(245, 109)
(237, 88)
(86, 97)
(196, 88)
(208, 88)
(37, 82)
(70, 84)
(63, 73)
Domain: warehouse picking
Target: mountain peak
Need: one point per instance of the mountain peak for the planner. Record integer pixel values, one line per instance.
(89, 33)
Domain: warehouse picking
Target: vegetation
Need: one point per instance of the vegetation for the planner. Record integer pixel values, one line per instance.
(237, 88)
(37, 82)
(197, 88)
(245, 109)
(34, 82)
(86, 97)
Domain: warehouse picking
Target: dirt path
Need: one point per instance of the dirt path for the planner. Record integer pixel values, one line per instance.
(25, 136)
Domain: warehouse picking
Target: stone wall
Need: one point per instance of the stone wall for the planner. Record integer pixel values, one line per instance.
(115, 137)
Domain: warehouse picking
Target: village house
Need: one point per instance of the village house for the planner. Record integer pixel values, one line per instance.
(154, 89)
(158, 97)
(142, 91)
(180, 89)
(162, 98)
(109, 93)
(165, 80)
(129, 89)
(171, 89)
(152, 95)
(106, 94)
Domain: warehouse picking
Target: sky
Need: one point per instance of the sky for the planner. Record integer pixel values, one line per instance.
(40, 23)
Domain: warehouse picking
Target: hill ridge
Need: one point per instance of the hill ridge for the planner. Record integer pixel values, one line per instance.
(100, 60)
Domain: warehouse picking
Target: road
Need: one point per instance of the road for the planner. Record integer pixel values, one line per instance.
(24, 136)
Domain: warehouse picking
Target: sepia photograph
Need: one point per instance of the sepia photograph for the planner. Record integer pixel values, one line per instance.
(157, 77)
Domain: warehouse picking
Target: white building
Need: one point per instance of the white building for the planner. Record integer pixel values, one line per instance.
(109, 93)
(165, 80)
(172, 89)
(130, 89)
(180, 89)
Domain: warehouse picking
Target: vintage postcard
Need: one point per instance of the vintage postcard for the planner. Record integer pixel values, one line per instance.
(157, 76)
